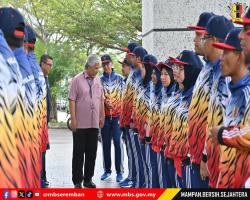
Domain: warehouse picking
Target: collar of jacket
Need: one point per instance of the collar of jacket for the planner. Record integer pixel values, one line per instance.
(216, 65)
(244, 81)
(109, 76)
(205, 60)
(188, 92)
(170, 90)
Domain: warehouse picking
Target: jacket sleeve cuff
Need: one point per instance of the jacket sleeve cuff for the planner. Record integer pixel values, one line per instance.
(220, 138)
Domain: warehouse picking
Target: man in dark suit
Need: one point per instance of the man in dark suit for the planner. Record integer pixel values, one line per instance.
(46, 63)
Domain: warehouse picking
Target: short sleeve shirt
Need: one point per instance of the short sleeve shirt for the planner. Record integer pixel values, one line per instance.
(88, 96)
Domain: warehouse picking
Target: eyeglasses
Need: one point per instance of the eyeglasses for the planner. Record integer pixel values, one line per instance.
(49, 64)
(164, 74)
(177, 67)
(206, 37)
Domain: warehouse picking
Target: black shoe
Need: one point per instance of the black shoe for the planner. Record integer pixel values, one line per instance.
(89, 184)
(47, 183)
(78, 185)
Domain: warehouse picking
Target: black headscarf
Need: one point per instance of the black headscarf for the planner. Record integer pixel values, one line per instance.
(158, 85)
(191, 75)
(169, 71)
(149, 61)
(149, 71)
(192, 67)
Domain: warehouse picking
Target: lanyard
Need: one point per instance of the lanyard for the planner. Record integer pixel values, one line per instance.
(90, 83)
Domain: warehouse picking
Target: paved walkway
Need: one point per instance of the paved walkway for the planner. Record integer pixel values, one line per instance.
(59, 161)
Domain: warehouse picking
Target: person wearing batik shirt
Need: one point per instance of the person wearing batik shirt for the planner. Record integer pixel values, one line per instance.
(113, 85)
(199, 50)
(127, 133)
(142, 113)
(29, 45)
(217, 29)
(234, 135)
(128, 115)
(187, 67)
(168, 90)
(155, 171)
(9, 171)
(168, 108)
(12, 24)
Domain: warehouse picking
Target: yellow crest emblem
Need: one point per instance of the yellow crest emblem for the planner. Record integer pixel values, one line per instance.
(237, 11)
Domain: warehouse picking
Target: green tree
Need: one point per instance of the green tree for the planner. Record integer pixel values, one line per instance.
(70, 30)
(67, 63)
(87, 24)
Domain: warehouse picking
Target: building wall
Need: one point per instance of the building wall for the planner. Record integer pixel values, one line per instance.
(175, 14)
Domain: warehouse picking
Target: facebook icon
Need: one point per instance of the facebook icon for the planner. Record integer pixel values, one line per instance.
(6, 194)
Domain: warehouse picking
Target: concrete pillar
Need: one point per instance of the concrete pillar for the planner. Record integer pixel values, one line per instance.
(164, 23)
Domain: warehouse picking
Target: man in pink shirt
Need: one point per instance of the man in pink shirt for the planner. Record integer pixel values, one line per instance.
(87, 116)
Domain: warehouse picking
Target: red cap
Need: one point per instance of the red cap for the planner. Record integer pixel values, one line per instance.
(196, 27)
(132, 54)
(161, 65)
(125, 49)
(172, 58)
(221, 45)
(18, 33)
(106, 61)
(147, 63)
(177, 61)
(203, 32)
(28, 44)
(123, 63)
(159, 69)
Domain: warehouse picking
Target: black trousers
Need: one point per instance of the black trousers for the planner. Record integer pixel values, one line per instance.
(43, 174)
(84, 148)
